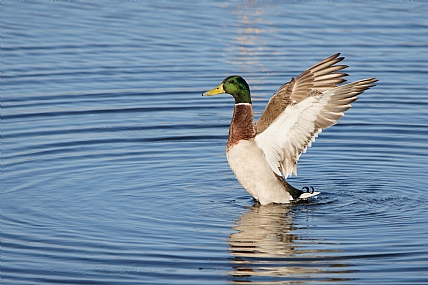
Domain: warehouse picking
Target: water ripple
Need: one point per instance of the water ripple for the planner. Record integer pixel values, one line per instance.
(113, 165)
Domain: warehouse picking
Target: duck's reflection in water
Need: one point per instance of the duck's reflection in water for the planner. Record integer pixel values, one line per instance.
(265, 251)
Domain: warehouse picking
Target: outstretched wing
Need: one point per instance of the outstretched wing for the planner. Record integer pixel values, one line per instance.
(322, 76)
(297, 127)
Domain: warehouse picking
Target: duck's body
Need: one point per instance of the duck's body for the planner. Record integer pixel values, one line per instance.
(293, 118)
(248, 161)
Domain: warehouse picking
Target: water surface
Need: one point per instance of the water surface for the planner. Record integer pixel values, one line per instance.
(113, 165)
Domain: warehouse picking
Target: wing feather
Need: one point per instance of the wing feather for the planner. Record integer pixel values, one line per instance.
(294, 130)
(322, 76)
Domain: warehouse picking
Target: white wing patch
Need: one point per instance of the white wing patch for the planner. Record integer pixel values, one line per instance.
(294, 130)
(289, 136)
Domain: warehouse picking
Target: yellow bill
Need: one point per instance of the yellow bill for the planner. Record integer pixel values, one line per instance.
(218, 90)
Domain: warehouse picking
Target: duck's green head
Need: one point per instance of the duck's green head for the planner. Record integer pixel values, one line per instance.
(235, 86)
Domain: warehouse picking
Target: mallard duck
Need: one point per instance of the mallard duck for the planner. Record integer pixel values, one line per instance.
(264, 154)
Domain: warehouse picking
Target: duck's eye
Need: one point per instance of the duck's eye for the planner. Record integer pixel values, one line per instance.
(232, 81)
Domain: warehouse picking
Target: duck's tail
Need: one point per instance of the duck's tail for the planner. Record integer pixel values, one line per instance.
(304, 194)
(308, 193)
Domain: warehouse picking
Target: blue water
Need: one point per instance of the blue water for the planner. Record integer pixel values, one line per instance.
(113, 165)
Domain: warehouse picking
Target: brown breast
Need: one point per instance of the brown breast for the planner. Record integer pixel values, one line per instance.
(242, 125)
